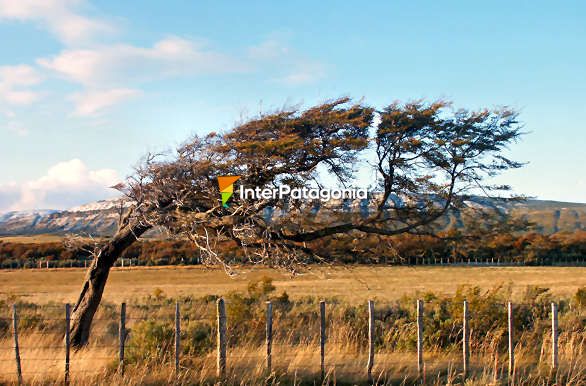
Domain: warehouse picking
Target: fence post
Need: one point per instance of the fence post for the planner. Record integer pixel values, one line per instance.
(269, 336)
(554, 336)
(511, 340)
(67, 341)
(16, 347)
(177, 338)
(322, 338)
(466, 340)
(122, 337)
(420, 369)
(221, 342)
(370, 339)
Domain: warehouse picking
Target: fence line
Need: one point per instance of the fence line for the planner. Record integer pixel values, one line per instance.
(465, 340)
(122, 337)
(221, 343)
(371, 332)
(67, 341)
(554, 336)
(322, 338)
(511, 340)
(221, 339)
(16, 347)
(420, 364)
(43, 263)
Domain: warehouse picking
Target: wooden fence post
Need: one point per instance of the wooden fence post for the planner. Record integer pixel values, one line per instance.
(420, 369)
(16, 347)
(221, 342)
(466, 340)
(370, 339)
(122, 337)
(67, 341)
(511, 340)
(177, 338)
(322, 338)
(269, 336)
(554, 336)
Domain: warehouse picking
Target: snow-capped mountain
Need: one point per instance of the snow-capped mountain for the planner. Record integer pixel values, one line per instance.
(100, 218)
(97, 218)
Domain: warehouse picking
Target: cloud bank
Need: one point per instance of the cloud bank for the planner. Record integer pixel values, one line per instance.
(60, 17)
(64, 185)
(16, 83)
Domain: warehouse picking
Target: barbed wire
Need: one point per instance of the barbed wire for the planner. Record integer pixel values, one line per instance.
(282, 342)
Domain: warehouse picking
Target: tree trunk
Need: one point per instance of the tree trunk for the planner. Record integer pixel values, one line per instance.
(95, 281)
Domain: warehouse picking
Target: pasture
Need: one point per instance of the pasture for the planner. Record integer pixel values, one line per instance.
(151, 344)
(353, 284)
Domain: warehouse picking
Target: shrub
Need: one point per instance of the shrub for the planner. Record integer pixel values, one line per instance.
(260, 289)
(198, 338)
(150, 340)
(580, 298)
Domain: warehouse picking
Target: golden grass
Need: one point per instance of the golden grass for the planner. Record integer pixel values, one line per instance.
(33, 239)
(43, 353)
(292, 364)
(352, 284)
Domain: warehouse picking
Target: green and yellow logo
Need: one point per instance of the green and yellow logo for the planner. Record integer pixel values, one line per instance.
(226, 184)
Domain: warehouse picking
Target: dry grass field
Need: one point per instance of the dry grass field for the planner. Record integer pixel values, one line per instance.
(151, 293)
(32, 239)
(352, 284)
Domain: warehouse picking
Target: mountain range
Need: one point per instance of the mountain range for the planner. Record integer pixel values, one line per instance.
(100, 218)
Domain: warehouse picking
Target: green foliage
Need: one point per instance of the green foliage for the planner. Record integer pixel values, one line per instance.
(261, 288)
(527, 248)
(296, 321)
(580, 298)
(158, 293)
(151, 340)
(198, 338)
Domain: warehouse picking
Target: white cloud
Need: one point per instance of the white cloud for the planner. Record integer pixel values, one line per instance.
(295, 68)
(15, 83)
(92, 102)
(269, 49)
(60, 17)
(21, 75)
(106, 72)
(64, 185)
(303, 73)
(124, 63)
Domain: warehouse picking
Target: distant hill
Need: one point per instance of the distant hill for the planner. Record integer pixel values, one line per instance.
(100, 218)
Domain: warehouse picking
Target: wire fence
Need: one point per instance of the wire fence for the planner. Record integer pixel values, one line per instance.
(570, 261)
(36, 343)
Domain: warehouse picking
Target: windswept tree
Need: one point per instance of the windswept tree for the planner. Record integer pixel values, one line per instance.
(427, 157)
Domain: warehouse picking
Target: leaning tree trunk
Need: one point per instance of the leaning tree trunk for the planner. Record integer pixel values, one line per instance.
(95, 281)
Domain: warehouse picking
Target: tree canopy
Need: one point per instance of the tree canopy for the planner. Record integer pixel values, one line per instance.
(427, 157)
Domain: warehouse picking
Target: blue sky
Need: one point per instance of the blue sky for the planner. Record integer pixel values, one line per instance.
(87, 88)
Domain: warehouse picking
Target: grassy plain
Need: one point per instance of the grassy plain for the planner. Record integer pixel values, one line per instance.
(151, 292)
(352, 284)
(32, 239)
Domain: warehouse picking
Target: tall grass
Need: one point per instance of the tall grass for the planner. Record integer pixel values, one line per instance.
(150, 343)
